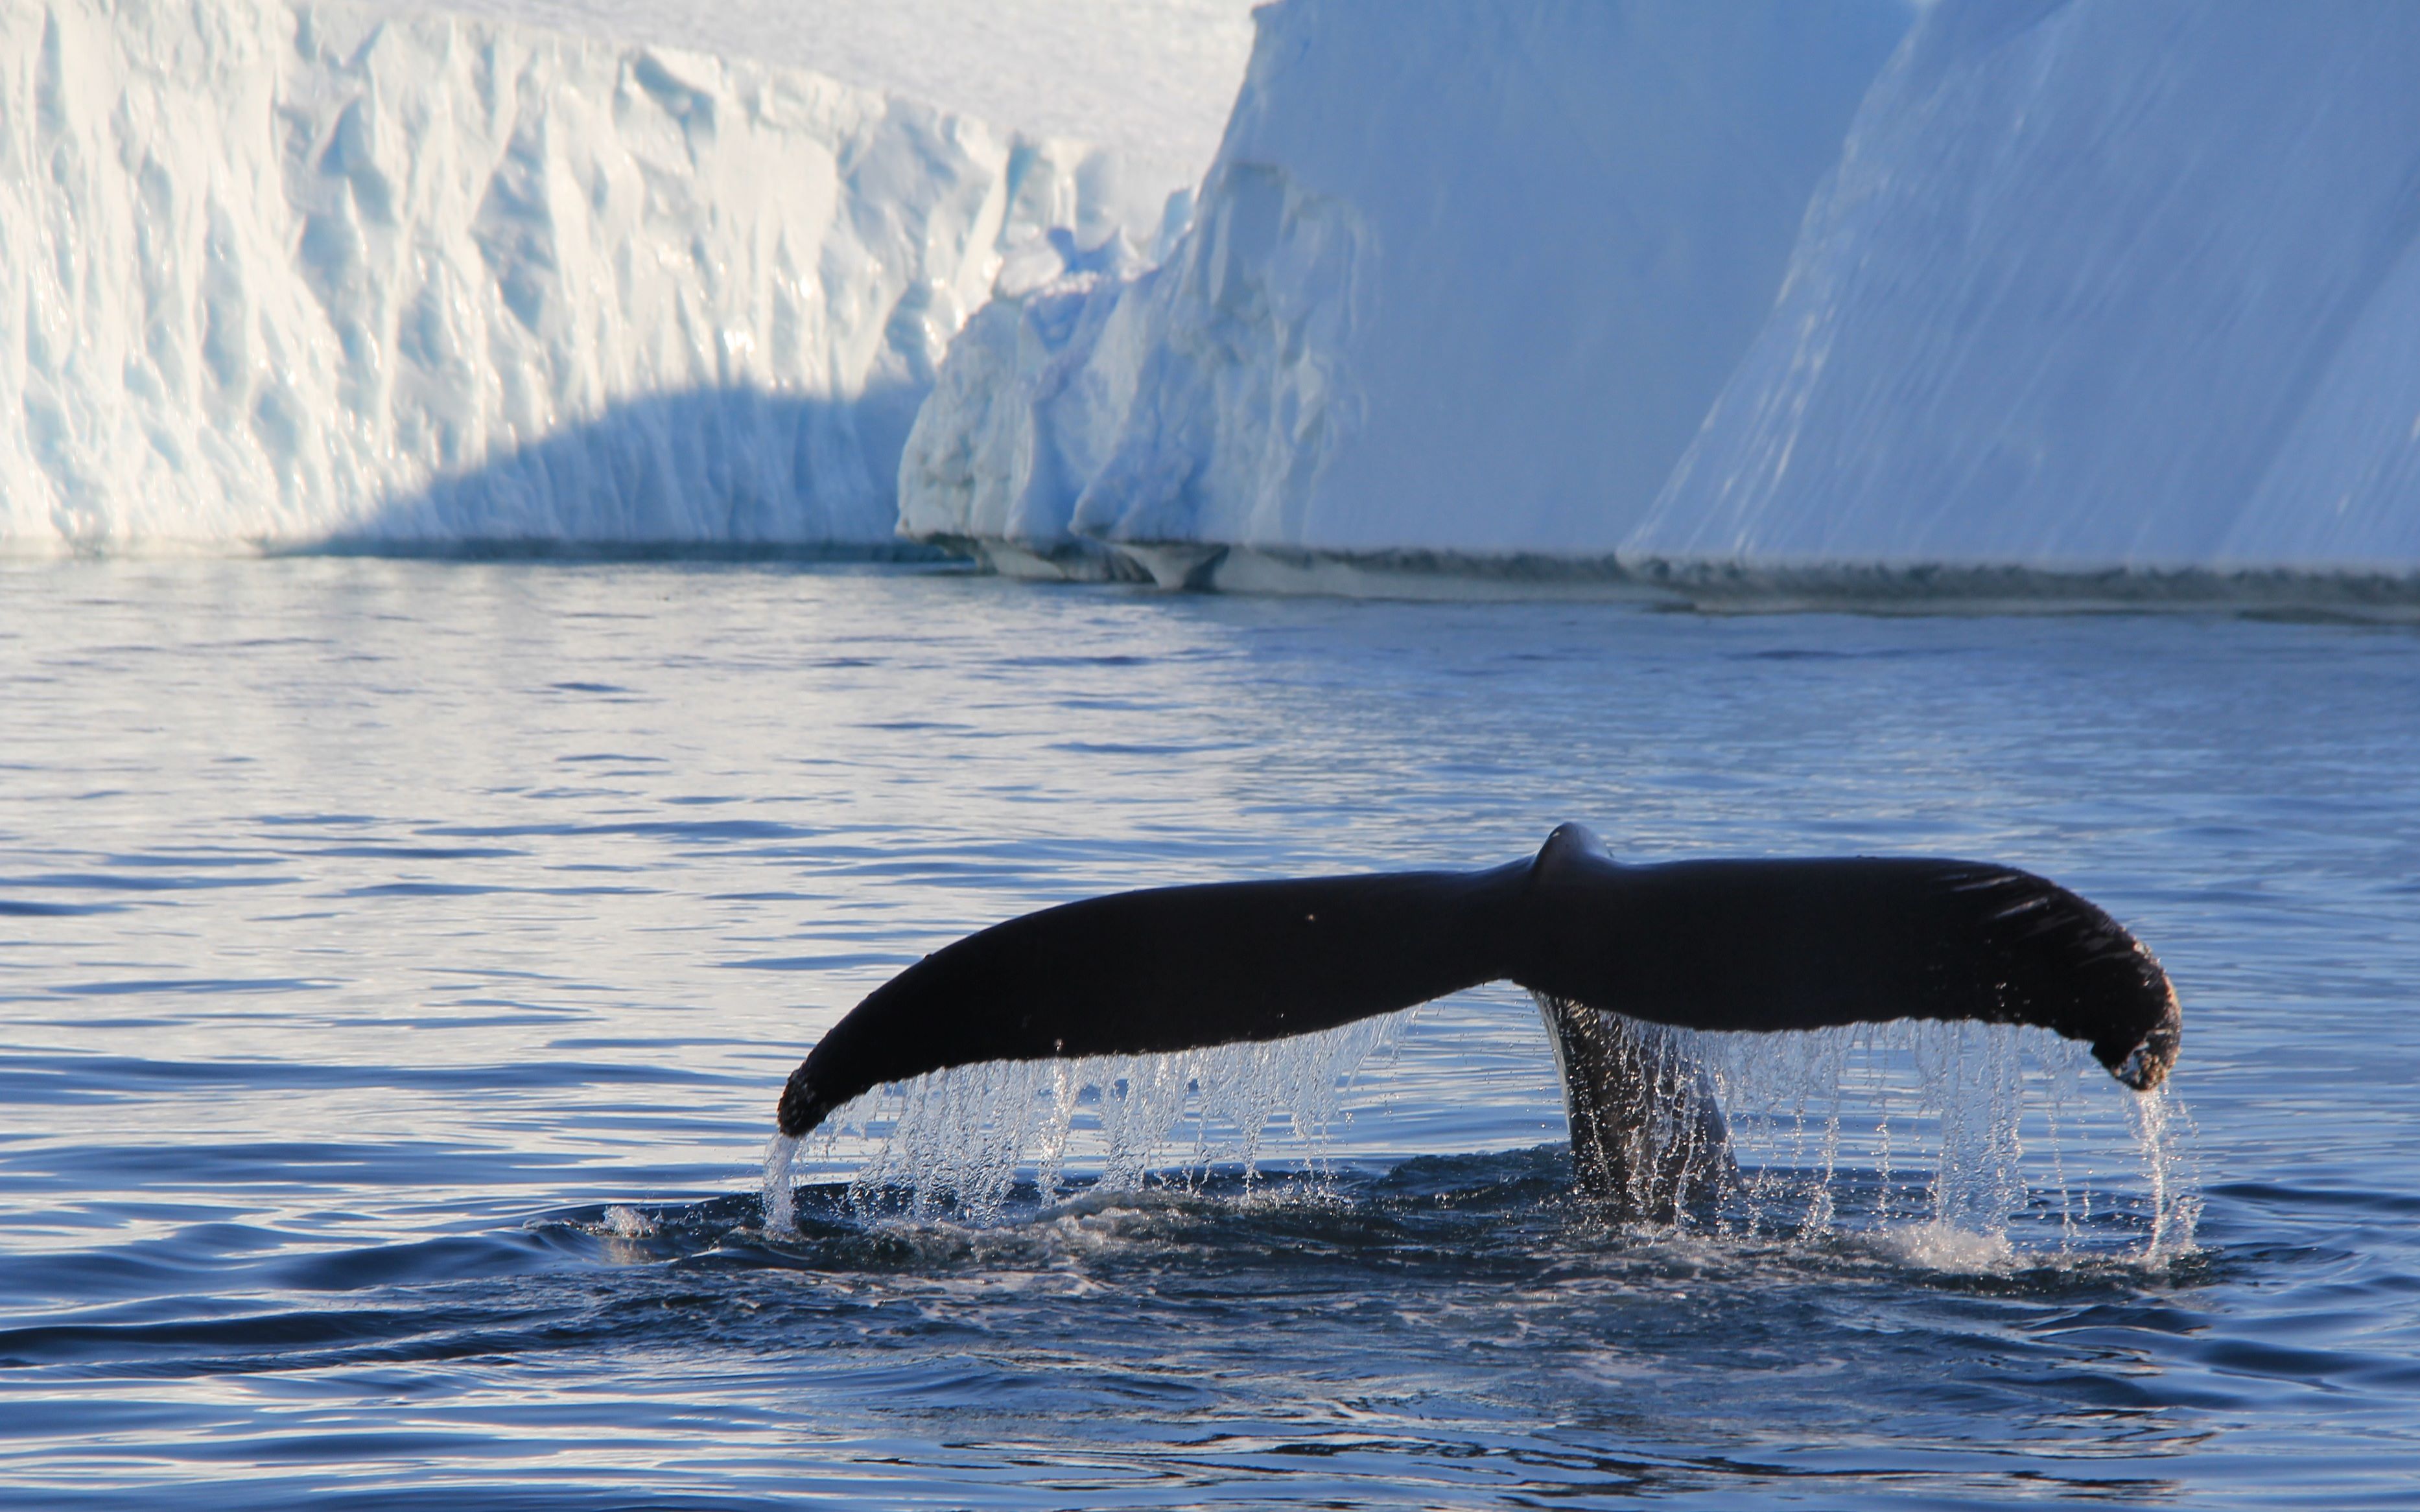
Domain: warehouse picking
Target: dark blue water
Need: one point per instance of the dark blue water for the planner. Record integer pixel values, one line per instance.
(398, 963)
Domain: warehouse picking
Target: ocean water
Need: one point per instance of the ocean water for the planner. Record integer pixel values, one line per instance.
(399, 962)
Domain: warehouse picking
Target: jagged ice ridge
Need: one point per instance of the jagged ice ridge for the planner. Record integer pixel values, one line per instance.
(288, 275)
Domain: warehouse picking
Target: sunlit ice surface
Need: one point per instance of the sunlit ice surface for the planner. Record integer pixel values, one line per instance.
(402, 960)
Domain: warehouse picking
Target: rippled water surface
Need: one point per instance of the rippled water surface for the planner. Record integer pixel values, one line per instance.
(398, 963)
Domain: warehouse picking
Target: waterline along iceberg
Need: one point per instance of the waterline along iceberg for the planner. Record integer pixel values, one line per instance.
(1460, 278)
(1741, 294)
(289, 275)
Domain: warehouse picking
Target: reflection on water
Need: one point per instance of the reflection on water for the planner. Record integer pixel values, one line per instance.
(400, 963)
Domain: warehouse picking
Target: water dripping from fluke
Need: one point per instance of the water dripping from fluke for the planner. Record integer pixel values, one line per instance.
(781, 1203)
(1955, 1147)
(953, 1145)
(1666, 988)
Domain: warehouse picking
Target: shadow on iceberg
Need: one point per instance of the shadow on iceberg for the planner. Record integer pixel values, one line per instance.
(716, 473)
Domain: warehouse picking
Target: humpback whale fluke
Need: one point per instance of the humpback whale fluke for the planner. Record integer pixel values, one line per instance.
(1754, 944)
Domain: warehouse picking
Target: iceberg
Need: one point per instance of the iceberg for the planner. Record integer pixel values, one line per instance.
(2023, 297)
(2101, 285)
(1464, 287)
(293, 275)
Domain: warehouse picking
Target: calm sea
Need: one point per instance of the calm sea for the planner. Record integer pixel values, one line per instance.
(399, 961)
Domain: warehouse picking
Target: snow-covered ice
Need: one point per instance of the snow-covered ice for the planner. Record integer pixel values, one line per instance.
(1149, 81)
(282, 274)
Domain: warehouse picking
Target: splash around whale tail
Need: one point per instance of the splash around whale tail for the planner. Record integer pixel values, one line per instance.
(1754, 944)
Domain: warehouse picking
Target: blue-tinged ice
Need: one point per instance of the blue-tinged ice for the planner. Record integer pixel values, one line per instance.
(2060, 285)
(1463, 285)
(2102, 283)
(281, 274)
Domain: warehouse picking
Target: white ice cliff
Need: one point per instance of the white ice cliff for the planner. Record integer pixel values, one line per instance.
(2064, 285)
(2115, 283)
(1645, 289)
(288, 274)
(1465, 286)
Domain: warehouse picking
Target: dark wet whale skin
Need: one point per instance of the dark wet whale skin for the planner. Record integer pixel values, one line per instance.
(1737, 945)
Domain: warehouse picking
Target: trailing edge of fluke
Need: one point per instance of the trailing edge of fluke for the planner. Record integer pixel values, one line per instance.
(1701, 944)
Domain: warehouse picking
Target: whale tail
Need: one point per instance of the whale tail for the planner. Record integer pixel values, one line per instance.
(1761, 946)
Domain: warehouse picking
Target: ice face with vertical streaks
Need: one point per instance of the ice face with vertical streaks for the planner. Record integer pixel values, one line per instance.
(284, 274)
(1696, 293)
(2096, 285)
(1467, 286)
